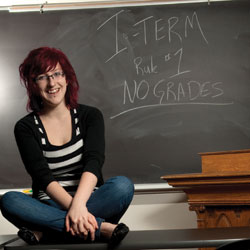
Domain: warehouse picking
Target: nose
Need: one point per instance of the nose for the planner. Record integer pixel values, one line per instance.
(51, 80)
(51, 76)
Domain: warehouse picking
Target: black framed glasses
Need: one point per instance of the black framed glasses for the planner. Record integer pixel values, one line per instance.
(58, 75)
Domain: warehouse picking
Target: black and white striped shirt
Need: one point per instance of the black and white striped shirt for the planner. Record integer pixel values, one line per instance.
(46, 163)
(64, 161)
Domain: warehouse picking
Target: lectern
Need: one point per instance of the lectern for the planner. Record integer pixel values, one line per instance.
(220, 194)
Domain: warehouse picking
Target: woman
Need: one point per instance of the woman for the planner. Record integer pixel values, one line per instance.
(61, 144)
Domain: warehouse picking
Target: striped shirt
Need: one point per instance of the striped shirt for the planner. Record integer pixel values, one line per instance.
(46, 163)
(64, 161)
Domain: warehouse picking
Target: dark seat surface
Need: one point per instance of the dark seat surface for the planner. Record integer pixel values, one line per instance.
(236, 245)
(156, 239)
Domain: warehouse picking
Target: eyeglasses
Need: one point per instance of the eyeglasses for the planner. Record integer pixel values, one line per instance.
(45, 78)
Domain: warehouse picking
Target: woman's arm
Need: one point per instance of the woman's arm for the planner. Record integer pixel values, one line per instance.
(78, 220)
(30, 149)
(92, 126)
(32, 155)
(57, 193)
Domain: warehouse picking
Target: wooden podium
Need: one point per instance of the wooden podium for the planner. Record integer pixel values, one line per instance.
(220, 195)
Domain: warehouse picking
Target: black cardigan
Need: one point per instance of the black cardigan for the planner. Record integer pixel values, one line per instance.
(30, 147)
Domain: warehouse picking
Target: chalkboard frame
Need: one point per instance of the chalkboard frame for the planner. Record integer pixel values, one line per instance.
(98, 4)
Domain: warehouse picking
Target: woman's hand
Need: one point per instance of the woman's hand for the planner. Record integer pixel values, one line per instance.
(79, 222)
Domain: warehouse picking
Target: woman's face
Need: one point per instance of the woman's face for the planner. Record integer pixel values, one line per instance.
(52, 87)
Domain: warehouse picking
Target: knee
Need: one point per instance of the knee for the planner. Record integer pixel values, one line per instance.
(8, 200)
(123, 187)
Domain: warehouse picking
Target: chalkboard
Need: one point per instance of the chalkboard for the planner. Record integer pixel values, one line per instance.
(171, 81)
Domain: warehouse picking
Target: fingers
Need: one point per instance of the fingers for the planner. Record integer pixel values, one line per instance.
(93, 226)
(92, 221)
(82, 226)
(67, 224)
(72, 231)
(92, 233)
(83, 230)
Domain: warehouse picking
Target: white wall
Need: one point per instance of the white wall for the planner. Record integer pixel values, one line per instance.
(159, 211)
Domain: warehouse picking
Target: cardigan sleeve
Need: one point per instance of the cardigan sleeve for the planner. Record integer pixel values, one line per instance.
(32, 155)
(94, 143)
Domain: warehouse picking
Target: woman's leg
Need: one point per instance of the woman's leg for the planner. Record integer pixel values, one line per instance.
(107, 203)
(112, 199)
(25, 211)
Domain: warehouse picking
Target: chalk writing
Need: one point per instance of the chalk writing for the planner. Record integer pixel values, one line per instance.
(143, 22)
(159, 31)
(179, 72)
(167, 88)
(191, 24)
(117, 49)
(141, 70)
(167, 91)
(169, 104)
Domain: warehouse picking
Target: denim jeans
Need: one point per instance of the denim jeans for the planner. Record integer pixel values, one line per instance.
(108, 203)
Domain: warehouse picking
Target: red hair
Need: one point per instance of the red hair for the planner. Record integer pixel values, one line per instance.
(40, 61)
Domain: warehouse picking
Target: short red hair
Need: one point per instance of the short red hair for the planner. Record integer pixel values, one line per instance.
(40, 61)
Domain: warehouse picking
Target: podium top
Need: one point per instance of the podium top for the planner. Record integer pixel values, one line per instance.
(226, 161)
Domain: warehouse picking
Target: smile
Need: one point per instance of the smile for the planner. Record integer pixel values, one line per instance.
(53, 91)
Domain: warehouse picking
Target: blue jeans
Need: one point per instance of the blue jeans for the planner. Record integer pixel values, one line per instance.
(108, 203)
